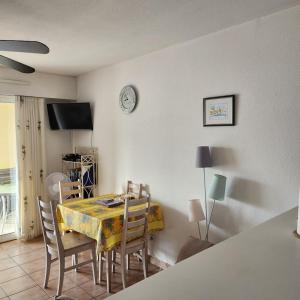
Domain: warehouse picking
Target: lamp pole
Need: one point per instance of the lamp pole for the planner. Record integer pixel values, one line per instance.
(205, 200)
(203, 161)
(199, 229)
(216, 192)
(206, 237)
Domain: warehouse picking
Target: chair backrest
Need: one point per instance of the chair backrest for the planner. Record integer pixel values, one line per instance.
(50, 228)
(135, 224)
(69, 190)
(134, 189)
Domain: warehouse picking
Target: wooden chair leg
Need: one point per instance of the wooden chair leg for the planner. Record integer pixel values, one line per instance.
(95, 273)
(114, 260)
(123, 269)
(61, 276)
(100, 266)
(128, 261)
(47, 270)
(108, 271)
(145, 262)
(75, 261)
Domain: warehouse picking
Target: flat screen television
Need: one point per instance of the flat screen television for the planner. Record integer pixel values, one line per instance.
(70, 116)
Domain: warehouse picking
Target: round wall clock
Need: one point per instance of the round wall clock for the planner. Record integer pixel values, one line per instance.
(127, 99)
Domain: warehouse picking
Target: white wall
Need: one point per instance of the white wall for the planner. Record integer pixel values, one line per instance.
(259, 62)
(49, 86)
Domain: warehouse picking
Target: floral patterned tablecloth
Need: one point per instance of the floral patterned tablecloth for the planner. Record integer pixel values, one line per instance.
(100, 222)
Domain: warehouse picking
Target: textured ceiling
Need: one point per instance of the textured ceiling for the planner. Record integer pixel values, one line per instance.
(84, 35)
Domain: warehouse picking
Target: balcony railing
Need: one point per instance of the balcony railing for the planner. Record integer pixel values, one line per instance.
(7, 201)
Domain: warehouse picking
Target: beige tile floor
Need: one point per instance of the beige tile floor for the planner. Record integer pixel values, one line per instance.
(22, 274)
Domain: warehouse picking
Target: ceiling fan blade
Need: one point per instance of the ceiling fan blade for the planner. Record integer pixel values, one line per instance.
(23, 46)
(15, 65)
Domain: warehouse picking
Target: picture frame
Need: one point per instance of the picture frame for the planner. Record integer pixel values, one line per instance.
(219, 111)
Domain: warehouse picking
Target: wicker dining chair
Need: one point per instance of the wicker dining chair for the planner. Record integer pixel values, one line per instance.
(58, 246)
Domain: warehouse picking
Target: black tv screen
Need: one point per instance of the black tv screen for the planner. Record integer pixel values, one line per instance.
(70, 116)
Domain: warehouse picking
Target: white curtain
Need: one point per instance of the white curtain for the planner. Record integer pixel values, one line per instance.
(31, 163)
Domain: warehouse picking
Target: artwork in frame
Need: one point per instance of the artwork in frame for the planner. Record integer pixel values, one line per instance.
(219, 111)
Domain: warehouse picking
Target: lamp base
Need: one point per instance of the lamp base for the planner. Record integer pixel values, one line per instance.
(296, 234)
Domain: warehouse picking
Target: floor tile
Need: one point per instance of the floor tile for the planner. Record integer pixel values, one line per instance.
(39, 275)
(115, 288)
(36, 244)
(116, 281)
(3, 254)
(30, 256)
(2, 294)
(15, 248)
(77, 293)
(92, 289)
(52, 286)
(102, 296)
(35, 293)
(33, 266)
(17, 285)
(17, 251)
(6, 263)
(79, 277)
(11, 244)
(11, 273)
(77, 285)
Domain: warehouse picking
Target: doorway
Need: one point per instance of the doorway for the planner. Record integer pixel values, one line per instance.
(8, 170)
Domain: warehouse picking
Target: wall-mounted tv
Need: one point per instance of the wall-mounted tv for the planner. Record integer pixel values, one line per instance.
(70, 115)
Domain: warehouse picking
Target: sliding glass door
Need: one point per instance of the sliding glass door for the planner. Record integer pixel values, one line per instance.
(8, 170)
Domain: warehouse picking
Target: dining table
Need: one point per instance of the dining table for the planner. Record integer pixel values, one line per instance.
(103, 224)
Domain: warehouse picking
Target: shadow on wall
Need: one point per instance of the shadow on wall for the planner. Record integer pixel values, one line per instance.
(244, 198)
(239, 191)
(223, 156)
(233, 216)
(175, 234)
(225, 223)
(167, 243)
(245, 190)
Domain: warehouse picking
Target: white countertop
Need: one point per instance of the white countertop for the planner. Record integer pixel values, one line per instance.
(261, 263)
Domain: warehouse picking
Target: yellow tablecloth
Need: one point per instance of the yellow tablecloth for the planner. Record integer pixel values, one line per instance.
(102, 223)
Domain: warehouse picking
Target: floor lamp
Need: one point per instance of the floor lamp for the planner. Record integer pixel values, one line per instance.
(196, 213)
(203, 161)
(217, 193)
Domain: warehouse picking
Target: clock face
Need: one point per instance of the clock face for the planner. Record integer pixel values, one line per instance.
(127, 99)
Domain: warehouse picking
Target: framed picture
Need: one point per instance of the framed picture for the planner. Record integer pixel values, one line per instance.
(219, 111)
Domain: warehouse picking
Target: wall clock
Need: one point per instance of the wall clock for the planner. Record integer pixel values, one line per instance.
(128, 99)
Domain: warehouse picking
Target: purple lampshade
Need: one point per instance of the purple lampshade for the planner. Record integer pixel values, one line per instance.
(203, 158)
